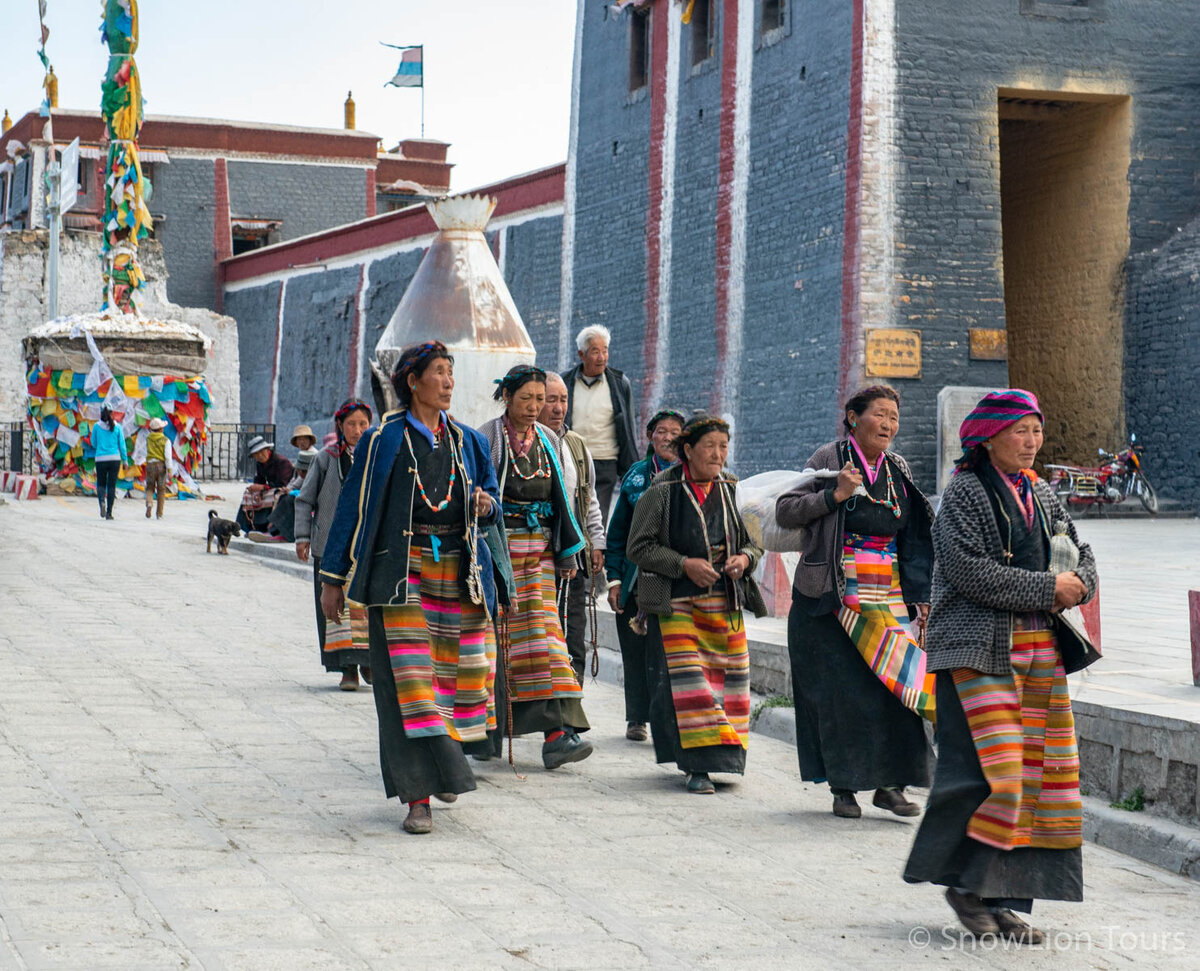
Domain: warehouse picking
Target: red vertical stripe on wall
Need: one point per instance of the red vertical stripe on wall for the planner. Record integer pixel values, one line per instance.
(725, 152)
(851, 243)
(222, 230)
(658, 95)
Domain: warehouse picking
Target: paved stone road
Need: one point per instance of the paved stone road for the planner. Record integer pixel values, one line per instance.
(182, 786)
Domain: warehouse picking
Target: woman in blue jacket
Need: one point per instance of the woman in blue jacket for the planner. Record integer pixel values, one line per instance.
(663, 429)
(108, 440)
(405, 542)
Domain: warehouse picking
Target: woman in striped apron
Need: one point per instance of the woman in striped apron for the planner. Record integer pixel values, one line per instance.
(1003, 824)
(405, 543)
(695, 562)
(543, 540)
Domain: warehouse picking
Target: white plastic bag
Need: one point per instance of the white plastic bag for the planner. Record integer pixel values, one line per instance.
(756, 502)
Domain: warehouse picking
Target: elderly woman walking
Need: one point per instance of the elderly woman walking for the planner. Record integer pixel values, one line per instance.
(543, 538)
(315, 506)
(858, 675)
(695, 561)
(405, 543)
(1003, 824)
(663, 430)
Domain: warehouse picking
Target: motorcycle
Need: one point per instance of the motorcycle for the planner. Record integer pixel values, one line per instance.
(1114, 480)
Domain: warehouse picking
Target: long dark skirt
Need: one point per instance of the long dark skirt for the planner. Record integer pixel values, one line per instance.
(412, 768)
(850, 730)
(942, 852)
(333, 660)
(635, 664)
(529, 717)
(664, 728)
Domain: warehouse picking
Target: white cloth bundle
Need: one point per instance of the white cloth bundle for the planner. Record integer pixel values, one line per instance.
(756, 502)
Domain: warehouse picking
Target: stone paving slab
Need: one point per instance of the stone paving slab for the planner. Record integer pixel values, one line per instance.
(184, 787)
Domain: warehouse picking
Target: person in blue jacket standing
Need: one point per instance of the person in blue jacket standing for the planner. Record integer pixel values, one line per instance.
(663, 429)
(406, 542)
(108, 440)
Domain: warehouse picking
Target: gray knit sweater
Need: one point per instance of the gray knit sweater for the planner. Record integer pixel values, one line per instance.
(974, 593)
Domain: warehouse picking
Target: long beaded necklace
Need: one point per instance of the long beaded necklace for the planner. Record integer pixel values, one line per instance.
(437, 436)
(890, 500)
(541, 471)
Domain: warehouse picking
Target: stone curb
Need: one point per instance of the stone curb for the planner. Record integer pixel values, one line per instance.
(1151, 839)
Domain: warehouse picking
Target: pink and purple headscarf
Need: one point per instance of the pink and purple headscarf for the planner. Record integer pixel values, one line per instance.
(994, 413)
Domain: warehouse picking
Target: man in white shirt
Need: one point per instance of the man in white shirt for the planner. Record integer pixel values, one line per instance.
(600, 410)
(579, 477)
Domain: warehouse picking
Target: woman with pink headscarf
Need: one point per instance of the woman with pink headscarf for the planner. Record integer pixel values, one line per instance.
(1003, 824)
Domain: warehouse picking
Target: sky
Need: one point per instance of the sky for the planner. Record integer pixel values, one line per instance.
(497, 74)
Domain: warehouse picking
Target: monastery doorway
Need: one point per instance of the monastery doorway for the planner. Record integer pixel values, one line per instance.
(1064, 195)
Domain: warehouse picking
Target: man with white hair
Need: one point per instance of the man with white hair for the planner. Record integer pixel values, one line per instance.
(579, 477)
(600, 409)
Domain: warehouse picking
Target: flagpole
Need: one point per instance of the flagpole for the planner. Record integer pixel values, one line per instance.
(422, 48)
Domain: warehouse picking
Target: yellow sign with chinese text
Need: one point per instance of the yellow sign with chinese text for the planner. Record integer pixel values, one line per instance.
(893, 353)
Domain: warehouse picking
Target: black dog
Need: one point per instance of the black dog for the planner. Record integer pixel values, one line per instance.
(223, 529)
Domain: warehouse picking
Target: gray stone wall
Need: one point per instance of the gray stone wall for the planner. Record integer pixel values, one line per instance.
(1163, 312)
(257, 312)
(533, 272)
(305, 198)
(183, 194)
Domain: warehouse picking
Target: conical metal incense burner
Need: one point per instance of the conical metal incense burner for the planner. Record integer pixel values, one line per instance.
(459, 297)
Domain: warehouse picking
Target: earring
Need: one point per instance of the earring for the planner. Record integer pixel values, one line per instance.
(987, 445)
(853, 424)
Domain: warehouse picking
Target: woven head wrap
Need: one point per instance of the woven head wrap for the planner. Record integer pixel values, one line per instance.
(699, 425)
(994, 413)
(412, 360)
(518, 375)
(662, 416)
(346, 408)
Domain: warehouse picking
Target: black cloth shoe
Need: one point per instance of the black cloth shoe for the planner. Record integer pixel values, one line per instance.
(564, 749)
(636, 731)
(894, 802)
(972, 913)
(846, 806)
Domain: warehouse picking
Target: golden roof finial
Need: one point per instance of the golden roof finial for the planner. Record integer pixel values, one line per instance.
(349, 108)
(7, 123)
(52, 87)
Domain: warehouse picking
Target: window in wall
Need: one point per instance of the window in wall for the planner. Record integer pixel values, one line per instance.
(639, 50)
(774, 15)
(702, 31)
(252, 234)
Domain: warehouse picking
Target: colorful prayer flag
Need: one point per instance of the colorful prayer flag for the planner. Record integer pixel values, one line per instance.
(410, 73)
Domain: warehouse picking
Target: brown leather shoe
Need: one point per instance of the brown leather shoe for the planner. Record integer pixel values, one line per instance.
(419, 820)
(846, 806)
(366, 674)
(894, 802)
(349, 679)
(636, 731)
(446, 796)
(1015, 929)
(972, 913)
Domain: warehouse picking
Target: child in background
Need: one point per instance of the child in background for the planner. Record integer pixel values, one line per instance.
(160, 465)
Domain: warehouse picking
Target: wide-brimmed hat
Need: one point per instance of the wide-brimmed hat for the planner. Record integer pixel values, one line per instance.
(157, 424)
(304, 458)
(303, 430)
(257, 444)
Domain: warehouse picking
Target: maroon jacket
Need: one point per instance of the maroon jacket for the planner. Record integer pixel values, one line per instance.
(275, 472)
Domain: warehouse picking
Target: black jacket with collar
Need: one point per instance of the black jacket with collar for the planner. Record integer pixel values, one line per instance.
(621, 392)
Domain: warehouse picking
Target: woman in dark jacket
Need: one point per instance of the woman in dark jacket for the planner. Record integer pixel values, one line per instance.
(1003, 824)
(858, 674)
(315, 506)
(405, 543)
(542, 538)
(663, 430)
(695, 562)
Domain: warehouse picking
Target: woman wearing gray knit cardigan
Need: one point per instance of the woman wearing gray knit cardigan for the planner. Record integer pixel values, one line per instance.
(1003, 824)
(315, 506)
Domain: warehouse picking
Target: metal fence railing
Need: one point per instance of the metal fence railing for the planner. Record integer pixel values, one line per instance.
(224, 454)
(225, 451)
(16, 447)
